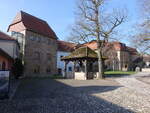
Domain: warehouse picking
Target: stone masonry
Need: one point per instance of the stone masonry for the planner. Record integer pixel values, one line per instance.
(40, 55)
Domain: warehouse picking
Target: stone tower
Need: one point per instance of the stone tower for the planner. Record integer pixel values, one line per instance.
(38, 43)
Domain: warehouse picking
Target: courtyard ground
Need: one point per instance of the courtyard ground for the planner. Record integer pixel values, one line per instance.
(112, 95)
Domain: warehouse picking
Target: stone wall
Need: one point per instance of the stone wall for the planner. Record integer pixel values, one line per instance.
(40, 54)
(145, 69)
(80, 76)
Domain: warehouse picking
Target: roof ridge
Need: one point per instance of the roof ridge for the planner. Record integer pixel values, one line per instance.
(66, 42)
(23, 12)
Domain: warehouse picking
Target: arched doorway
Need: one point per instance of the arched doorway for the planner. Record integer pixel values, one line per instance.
(3, 66)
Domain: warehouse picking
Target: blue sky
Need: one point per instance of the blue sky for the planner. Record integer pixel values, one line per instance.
(59, 13)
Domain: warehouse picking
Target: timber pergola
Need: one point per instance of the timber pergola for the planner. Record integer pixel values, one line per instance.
(81, 56)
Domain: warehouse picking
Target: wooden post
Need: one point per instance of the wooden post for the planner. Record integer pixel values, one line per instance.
(65, 70)
(74, 66)
(86, 71)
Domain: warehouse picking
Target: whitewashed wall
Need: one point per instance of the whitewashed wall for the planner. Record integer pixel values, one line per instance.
(60, 64)
(10, 47)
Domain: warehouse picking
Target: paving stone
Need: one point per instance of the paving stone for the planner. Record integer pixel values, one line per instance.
(43, 95)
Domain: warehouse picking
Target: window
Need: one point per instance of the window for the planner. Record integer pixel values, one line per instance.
(49, 42)
(3, 66)
(70, 68)
(42, 39)
(31, 38)
(61, 57)
(48, 56)
(48, 70)
(38, 39)
(37, 55)
(59, 71)
(36, 69)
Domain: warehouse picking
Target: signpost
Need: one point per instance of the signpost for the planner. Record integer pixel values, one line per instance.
(4, 83)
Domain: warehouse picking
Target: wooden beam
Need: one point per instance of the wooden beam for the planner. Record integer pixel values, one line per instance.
(86, 71)
(65, 70)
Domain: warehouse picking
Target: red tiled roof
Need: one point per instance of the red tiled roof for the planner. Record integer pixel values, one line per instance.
(92, 45)
(65, 46)
(34, 24)
(133, 51)
(4, 54)
(118, 46)
(4, 36)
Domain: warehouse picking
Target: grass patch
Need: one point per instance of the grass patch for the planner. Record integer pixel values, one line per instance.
(56, 77)
(120, 72)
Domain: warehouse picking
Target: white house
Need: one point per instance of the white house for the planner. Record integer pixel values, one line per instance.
(9, 45)
(146, 60)
(64, 49)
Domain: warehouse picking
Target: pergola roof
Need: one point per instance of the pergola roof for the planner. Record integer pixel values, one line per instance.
(82, 53)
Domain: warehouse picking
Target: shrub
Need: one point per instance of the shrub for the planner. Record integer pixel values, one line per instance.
(17, 68)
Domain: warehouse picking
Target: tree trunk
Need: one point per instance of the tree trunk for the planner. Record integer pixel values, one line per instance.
(99, 43)
(100, 64)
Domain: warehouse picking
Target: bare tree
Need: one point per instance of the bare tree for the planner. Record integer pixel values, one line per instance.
(111, 21)
(144, 8)
(140, 40)
(91, 24)
(141, 37)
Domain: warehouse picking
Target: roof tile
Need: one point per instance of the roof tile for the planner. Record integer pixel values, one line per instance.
(4, 36)
(34, 24)
(66, 46)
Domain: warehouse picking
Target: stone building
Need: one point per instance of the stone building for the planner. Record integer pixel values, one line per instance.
(38, 43)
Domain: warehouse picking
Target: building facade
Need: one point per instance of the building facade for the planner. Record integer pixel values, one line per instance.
(146, 60)
(9, 45)
(6, 61)
(64, 49)
(38, 43)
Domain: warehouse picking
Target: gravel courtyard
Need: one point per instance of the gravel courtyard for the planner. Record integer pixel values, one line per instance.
(44, 95)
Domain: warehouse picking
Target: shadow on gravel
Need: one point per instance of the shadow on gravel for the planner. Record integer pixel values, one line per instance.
(50, 96)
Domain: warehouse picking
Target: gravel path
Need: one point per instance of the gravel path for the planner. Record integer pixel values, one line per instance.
(62, 96)
(43, 95)
(135, 84)
(136, 92)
